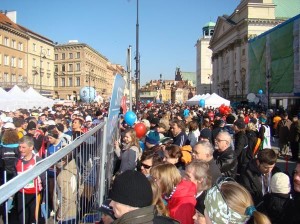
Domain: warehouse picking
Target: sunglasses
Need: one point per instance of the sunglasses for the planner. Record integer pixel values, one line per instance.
(145, 166)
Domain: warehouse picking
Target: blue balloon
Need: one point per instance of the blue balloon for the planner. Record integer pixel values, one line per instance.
(148, 101)
(202, 103)
(260, 91)
(130, 118)
(87, 94)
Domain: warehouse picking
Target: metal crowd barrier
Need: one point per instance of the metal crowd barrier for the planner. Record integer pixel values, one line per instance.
(75, 193)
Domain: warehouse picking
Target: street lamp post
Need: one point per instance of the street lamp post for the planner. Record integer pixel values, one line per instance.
(42, 56)
(89, 80)
(137, 59)
(268, 88)
(209, 77)
(236, 86)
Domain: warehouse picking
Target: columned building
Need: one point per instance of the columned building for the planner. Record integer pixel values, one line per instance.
(229, 42)
(203, 63)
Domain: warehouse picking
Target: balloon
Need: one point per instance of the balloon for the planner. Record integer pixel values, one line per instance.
(87, 94)
(202, 103)
(140, 130)
(130, 118)
(149, 105)
(148, 101)
(260, 91)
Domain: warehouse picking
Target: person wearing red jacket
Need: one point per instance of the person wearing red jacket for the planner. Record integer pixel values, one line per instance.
(32, 191)
(180, 194)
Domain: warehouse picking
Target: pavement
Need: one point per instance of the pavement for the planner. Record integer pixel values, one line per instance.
(283, 162)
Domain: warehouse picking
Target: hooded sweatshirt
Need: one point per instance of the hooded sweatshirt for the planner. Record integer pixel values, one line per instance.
(182, 203)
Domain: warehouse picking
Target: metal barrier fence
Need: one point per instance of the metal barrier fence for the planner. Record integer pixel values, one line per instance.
(77, 178)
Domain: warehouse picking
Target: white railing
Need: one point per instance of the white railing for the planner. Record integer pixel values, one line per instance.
(93, 159)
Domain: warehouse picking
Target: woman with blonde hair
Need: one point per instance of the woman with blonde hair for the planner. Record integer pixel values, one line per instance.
(230, 202)
(176, 191)
(130, 152)
(157, 199)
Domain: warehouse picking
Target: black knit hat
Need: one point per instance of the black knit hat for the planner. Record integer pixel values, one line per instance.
(132, 188)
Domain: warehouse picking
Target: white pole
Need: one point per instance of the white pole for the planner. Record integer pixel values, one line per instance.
(129, 77)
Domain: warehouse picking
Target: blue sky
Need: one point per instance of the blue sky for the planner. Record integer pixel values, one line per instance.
(169, 29)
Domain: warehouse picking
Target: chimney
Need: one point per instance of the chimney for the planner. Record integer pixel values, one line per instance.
(12, 15)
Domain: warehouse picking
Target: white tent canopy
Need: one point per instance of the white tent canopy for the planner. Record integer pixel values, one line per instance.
(195, 99)
(16, 99)
(213, 100)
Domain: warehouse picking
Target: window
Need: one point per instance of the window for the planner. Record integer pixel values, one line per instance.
(33, 62)
(13, 62)
(63, 67)
(56, 82)
(20, 63)
(20, 78)
(48, 52)
(20, 46)
(34, 47)
(13, 78)
(48, 65)
(77, 81)
(77, 66)
(70, 81)
(63, 56)
(5, 77)
(6, 60)
(6, 41)
(70, 55)
(70, 68)
(56, 56)
(13, 44)
(243, 52)
(63, 82)
(56, 68)
(78, 55)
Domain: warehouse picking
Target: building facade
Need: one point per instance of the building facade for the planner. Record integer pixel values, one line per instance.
(203, 60)
(78, 65)
(26, 58)
(229, 43)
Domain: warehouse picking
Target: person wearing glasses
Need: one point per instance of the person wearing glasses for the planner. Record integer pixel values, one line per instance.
(149, 159)
(256, 178)
(229, 202)
(224, 155)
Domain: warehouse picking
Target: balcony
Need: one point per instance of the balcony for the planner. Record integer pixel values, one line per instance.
(7, 85)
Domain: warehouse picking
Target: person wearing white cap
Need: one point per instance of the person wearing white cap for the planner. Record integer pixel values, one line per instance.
(277, 205)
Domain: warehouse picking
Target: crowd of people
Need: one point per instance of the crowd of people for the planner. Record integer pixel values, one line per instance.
(193, 165)
(203, 166)
(29, 136)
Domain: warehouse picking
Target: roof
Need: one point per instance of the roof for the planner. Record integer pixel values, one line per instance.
(191, 76)
(210, 24)
(6, 21)
(286, 8)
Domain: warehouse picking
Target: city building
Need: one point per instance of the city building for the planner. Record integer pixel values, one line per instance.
(203, 60)
(26, 58)
(274, 66)
(229, 43)
(78, 65)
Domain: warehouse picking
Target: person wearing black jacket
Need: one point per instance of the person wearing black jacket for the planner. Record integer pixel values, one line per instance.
(177, 128)
(256, 178)
(224, 155)
(240, 144)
